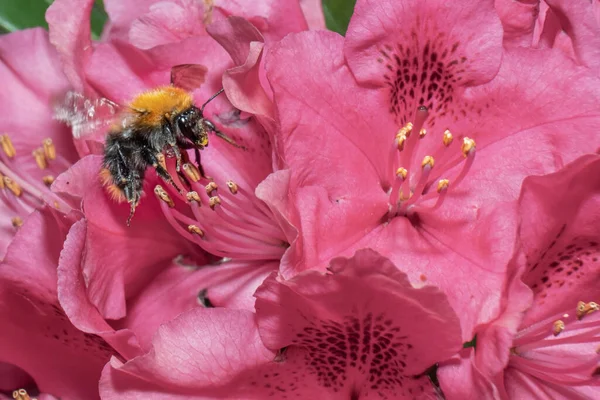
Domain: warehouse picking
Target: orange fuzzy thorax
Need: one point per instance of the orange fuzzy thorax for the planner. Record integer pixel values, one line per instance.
(154, 105)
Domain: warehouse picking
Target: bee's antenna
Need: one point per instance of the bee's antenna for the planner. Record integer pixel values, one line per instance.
(228, 139)
(211, 99)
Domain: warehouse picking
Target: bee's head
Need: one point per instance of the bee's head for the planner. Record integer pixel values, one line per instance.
(193, 126)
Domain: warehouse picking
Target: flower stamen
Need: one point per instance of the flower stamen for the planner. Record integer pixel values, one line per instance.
(49, 149)
(40, 158)
(408, 198)
(160, 192)
(7, 146)
(21, 394)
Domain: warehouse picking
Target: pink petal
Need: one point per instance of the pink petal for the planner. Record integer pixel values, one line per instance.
(12, 377)
(460, 379)
(69, 27)
(38, 333)
(577, 19)
(443, 47)
(177, 289)
(518, 20)
(75, 301)
(559, 235)
(274, 190)
(337, 326)
(242, 84)
(138, 252)
(313, 12)
(194, 356)
(167, 22)
(123, 13)
(273, 20)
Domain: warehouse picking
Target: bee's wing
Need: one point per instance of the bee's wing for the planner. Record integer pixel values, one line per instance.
(188, 76)
(86, 116)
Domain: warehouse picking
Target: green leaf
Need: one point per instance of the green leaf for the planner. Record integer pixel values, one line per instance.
(22, 14)
(337, 14)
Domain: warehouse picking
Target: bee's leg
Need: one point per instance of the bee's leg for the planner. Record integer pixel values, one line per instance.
(152, 159)
(187, 145)
(172, 142)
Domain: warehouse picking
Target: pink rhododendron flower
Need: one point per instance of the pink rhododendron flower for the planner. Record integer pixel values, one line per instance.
(545, 346)
(420, 161)
(39, 347)
(361, 330)
(120, 72)
(34, 148)
(114, 294)
(153, 22)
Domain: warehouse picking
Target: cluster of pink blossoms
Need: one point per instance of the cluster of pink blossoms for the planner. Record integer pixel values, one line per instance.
(414, 214)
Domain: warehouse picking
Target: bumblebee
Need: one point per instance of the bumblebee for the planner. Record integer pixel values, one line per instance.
(160, 120)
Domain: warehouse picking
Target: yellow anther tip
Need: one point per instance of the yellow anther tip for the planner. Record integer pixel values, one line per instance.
(428, 161)
(558, 327)
(210, 187)
(214, 201)
(163, 195)
(191, 172)
(193, 196)
(448, 138)
(401, 173)
(422, 133)
(468, 146)
(442, 185)
(7, 146)
(49, 149)
(195, 230)
(233, 187)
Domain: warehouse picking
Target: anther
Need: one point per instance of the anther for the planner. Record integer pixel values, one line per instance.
(163, 195)
(191, 172)
(407, 129)
(49, 149)
(2, 186)
(467, 146)
(13, 186)
(20, 394)
(443, 185)
(428, 161)
(40, 158)
(211, 187)
(7, 146)
(400, 141)
(584, 309)
(195, 230)
(17, 222)
(160, 157)
(422, 133)
(233, 187)
(448, 138)
(558, 327)
(193, 196)
(48, 180)
(401, 173)
(213, 201)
